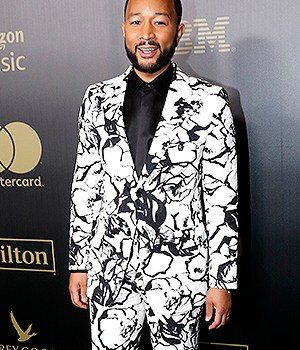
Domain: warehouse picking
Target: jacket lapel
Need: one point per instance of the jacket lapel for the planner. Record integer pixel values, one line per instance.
(119, 159)
(169, 125)
(167, 129)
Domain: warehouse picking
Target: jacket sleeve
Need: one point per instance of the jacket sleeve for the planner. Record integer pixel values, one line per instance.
(86, 184)
(220, 195)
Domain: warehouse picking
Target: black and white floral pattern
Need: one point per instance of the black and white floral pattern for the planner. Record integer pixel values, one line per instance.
(182, 209)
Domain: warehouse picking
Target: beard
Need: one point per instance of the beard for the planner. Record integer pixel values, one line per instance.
(163, 59)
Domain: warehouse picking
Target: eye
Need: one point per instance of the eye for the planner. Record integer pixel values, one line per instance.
(160, 23)
(135, 22)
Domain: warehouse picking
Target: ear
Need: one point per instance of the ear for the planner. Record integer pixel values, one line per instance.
(180, 32)
(123, 29)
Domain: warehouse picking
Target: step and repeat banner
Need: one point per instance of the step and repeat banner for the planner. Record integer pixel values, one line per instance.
(50, 51)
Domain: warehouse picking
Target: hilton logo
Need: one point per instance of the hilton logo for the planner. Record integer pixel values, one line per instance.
(208, 40)
(27, 255)
(12, 62)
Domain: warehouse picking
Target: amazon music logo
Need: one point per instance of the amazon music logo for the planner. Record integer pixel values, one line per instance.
(12, 62)
(208, 38)
(20, 153)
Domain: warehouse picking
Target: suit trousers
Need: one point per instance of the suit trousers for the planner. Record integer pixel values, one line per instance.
(119, 325)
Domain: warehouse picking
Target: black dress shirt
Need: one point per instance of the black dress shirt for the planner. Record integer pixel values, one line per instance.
(142, 110)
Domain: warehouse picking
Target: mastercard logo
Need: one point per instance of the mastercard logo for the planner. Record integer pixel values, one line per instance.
(20, 148)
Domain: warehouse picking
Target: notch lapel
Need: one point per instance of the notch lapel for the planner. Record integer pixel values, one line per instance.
(116, 149)
(168, 127)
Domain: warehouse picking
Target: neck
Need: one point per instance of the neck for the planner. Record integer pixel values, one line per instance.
(148, 77)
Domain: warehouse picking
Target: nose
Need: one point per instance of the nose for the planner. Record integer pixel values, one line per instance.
(147, 31)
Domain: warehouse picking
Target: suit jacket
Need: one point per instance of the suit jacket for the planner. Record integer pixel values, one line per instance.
(182, 207)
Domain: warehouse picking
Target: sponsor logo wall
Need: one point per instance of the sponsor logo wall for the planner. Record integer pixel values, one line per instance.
(49, 53)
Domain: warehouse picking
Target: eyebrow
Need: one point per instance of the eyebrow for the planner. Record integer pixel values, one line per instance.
(132, 14)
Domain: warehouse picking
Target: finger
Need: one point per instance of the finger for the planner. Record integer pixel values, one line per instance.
(77, 299)
(209, 312)
(84, 300)
(82, 305)
(224, 319)
(219, 320)
(83, 294)
(216, 322)
(74, 295)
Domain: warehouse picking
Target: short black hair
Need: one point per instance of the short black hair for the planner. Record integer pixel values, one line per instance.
(177, 5)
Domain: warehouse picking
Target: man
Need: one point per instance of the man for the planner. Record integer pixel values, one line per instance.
(153, 233)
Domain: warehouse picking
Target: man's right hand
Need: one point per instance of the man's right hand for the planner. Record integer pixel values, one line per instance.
(78, 289)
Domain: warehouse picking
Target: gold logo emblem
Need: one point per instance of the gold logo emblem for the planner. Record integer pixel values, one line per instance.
(20, 148)
(23, 335)
(18, 254)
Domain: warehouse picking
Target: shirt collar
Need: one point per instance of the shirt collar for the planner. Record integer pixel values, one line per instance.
(160, 84)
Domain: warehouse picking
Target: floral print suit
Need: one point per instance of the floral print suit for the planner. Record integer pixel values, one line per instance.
(179, 216)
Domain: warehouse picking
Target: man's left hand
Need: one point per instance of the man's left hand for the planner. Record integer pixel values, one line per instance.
(218, 307)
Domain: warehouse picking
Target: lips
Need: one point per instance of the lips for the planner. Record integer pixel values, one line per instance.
(147, 51)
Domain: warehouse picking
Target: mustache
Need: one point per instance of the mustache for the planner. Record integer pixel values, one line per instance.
(147, 42)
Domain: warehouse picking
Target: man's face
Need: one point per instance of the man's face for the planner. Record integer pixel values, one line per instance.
(151, 34)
